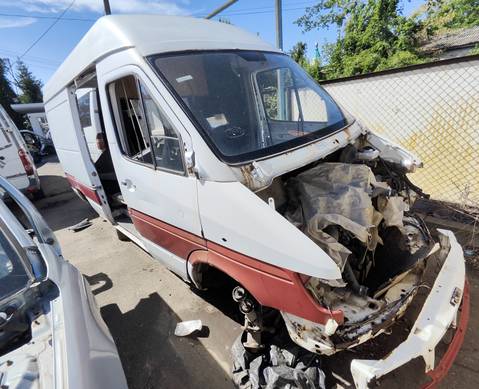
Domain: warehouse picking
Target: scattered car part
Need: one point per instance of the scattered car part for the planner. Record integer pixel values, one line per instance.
(85, 223)
(185, 328)
(278, 365)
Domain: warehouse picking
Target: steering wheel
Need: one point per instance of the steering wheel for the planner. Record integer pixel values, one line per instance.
(234, 132)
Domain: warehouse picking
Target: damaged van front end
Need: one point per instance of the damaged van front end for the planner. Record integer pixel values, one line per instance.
(309, 212)
(357, 205)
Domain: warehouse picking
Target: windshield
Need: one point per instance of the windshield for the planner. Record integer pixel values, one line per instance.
(13, 275)
(250, 104)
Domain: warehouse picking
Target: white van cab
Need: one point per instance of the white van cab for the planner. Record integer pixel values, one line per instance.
(16, 163)
(220, 155)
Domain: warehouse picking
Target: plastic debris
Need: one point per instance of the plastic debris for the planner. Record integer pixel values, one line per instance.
(186, 328)
(285, 366)
(81, 225)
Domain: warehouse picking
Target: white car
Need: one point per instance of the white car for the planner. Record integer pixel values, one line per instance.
(16, 162)
(51, 331)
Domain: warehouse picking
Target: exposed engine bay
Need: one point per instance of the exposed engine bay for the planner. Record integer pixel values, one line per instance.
(357, 207)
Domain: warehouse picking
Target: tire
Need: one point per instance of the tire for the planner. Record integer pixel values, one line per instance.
(121, 236)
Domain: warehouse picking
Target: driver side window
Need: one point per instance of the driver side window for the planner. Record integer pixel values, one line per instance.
(165, 142)
(145, 134)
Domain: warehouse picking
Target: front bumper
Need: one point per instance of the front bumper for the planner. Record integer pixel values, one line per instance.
(437, 315)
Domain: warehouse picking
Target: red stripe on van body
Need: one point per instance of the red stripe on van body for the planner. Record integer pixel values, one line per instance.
(180, 242)
(271, 285)
(86, 190)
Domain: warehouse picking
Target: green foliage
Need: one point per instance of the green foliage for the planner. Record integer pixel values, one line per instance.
(30, 87)
(298, 53)
(373, 35)
(314, 68)
(7, 94)
(475, 50)
(443, 15)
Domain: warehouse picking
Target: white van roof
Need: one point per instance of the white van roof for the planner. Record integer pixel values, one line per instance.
(149, 34)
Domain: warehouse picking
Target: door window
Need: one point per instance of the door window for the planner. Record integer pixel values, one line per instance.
(84, 110)
(145, 134)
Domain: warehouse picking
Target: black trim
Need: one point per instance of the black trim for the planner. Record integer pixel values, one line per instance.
(256, 155)
(434, 64)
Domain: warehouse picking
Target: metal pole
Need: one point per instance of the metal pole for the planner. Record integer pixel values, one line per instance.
(220, 9)
(279, 24)
(106, 5)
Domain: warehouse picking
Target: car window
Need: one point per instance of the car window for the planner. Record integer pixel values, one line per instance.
(84, 110)
(146, 135)
(249, 104)
(290, 101)
(164, 139)
(13, 275)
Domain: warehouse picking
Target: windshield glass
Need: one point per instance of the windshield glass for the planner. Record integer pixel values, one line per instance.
(13, 275)
(250, 104)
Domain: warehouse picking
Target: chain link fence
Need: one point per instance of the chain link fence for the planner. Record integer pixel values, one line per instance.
(431, 109)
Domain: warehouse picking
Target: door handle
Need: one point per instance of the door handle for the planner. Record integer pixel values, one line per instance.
(129, 185)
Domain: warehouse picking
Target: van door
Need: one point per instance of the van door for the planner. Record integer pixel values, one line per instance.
(72, 151)
(147, 145)
(11, 165)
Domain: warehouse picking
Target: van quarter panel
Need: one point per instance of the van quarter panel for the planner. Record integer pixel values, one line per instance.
(270, 285)
(234, 217)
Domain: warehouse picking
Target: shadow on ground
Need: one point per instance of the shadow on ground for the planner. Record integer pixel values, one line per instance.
(152, 356)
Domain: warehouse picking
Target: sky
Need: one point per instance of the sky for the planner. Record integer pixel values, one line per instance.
(22, 22)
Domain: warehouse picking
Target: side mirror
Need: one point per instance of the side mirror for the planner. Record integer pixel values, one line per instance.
(190, 162)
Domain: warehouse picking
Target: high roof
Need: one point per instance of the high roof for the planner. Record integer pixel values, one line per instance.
(149, 34)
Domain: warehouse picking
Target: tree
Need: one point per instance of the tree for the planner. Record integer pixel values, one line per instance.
(30, 87)
(314, 68)
(372, 35)
(7, 94)
(450, 14)
(298, 53)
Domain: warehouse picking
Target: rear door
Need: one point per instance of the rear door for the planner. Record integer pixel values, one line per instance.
(11, 166)
(72, 150)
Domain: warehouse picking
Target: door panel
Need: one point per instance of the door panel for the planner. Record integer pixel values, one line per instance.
(72, 150)
(162, 201)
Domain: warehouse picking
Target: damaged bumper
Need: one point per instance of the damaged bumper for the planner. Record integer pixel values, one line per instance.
(437, 315)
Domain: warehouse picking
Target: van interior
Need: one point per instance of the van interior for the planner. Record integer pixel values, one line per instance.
(99, 152)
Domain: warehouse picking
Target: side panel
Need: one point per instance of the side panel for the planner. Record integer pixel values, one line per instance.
(236, 218)
(64, 122)
(11, 166)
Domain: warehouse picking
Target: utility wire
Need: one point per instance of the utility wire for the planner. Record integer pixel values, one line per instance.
(48, 29)
(47, 17)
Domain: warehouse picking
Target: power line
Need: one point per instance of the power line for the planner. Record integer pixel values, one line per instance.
(48, 29)
(47, 17)
(265, 11)
(31, 58)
